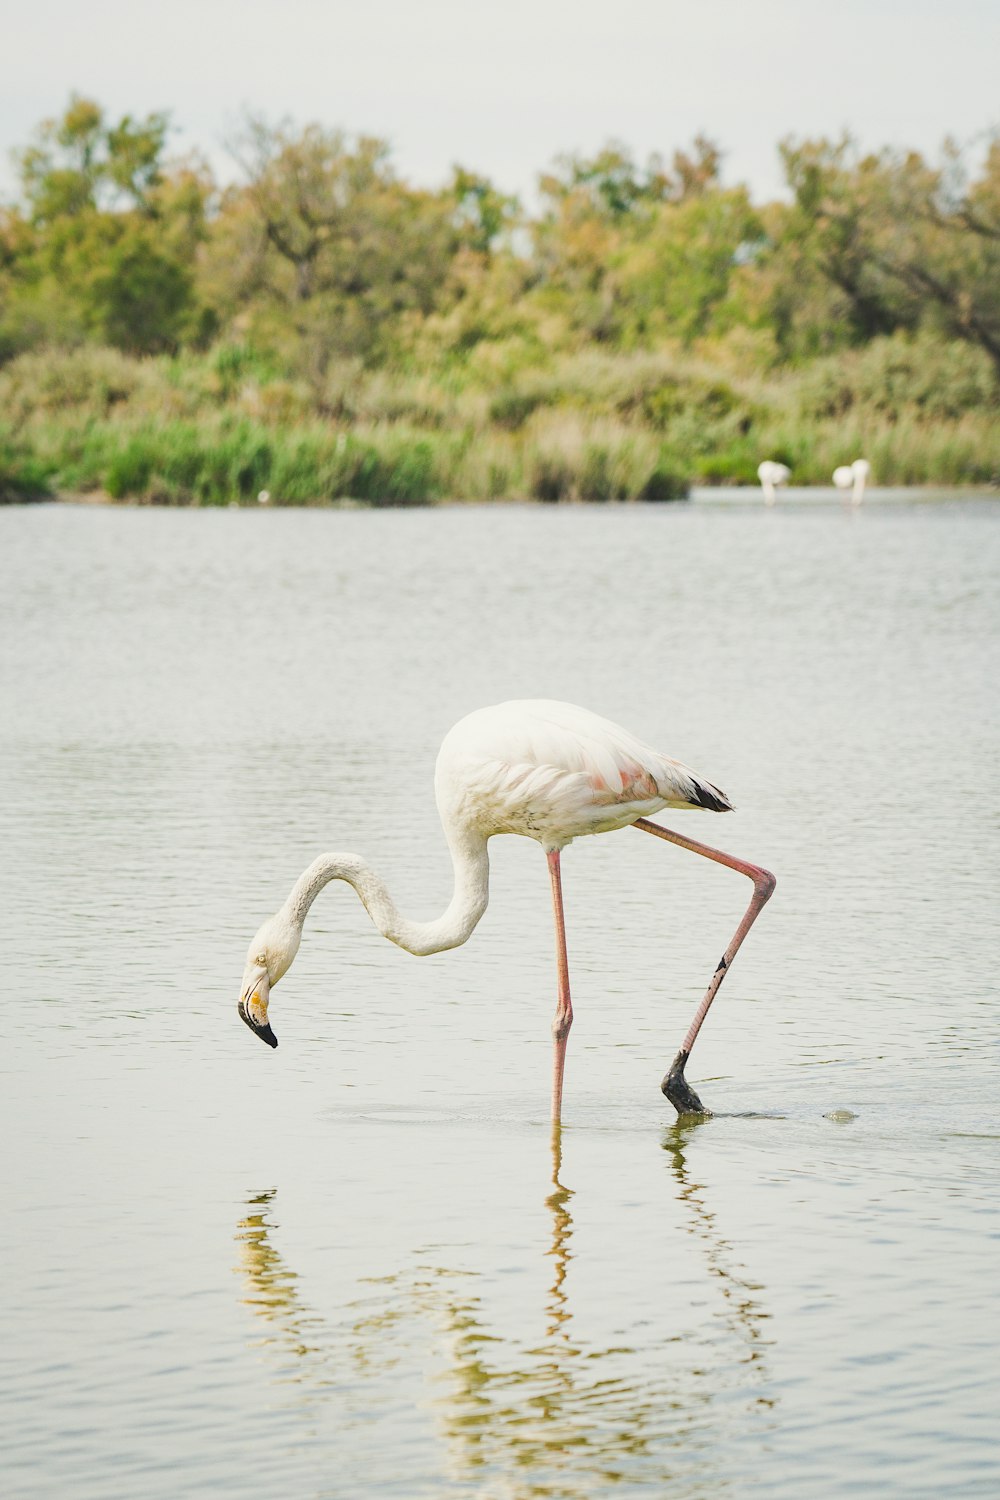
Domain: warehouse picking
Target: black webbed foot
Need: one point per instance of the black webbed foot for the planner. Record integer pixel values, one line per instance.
(680, 1093)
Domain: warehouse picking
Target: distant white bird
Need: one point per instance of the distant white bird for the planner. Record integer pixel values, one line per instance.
(551, 772)
(853, 477)
(264, 498)
(772, 475)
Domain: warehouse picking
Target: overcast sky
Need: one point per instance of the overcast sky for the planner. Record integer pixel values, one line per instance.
(505, 87)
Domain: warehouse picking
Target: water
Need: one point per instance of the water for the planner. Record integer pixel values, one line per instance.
(360, 1265)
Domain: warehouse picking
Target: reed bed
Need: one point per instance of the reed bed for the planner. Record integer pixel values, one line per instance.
(224, 427)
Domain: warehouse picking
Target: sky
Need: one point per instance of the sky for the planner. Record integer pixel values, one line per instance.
(504, 88)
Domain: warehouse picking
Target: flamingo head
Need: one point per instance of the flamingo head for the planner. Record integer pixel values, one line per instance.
(268, 958)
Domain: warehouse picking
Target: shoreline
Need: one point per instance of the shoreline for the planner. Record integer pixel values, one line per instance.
(793, 495)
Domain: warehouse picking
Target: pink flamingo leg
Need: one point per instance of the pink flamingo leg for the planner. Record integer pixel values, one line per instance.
(563, 1018)
(676, 1087)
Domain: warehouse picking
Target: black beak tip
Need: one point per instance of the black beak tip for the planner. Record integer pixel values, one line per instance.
(264, 1032)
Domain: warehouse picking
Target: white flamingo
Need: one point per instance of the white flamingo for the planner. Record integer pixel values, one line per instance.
(551, 772)
(772, 475)
(853, 477)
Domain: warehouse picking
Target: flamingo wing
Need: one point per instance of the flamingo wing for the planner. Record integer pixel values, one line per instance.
(554, 771)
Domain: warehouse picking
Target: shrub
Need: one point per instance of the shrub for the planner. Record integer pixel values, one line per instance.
(130, 470)
(512, 408)
(23, 476)
(402, 476)
(551, 478)
(604, 474)
(665, 483)
(941, 379)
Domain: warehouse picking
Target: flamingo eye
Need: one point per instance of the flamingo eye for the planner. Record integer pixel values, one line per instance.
(261, 959)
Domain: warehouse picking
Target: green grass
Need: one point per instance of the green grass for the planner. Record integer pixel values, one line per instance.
(23, 474)
(589, 426)
(221, 461)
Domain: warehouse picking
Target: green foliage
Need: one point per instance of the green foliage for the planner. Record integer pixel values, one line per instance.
(103, 246)
(85, 382)
(551, 478)
(225, 462)
(23, 475)
(324, 331)
(632, 256)
(141, 298)
(485, 217)
(511, 408)
(941, 380)
(79, 162)
(217, 428)
(666, 482)
(323, 253)
(675, 279)
(613, 185)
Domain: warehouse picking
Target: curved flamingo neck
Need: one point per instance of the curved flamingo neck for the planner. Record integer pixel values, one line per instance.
(469, 899)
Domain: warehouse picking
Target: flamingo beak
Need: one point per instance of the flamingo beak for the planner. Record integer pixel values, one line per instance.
(252, 1007)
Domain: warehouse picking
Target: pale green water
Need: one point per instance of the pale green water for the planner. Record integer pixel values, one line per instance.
(344, 1269)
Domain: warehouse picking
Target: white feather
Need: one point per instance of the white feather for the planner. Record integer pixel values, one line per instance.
(553, 772)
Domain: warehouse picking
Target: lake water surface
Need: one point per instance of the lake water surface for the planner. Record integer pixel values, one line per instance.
(361, 1265)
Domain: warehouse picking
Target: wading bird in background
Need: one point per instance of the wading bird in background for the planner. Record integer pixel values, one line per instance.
(772, 475)
(551, 772)
(853, 477)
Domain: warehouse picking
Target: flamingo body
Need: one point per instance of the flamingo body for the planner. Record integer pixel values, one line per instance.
(553, 772)
(772, 475)
(853, 477)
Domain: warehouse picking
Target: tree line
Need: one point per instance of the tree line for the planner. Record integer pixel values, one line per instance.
(320, 252)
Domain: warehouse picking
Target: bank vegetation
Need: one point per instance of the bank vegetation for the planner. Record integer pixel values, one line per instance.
(321, 329)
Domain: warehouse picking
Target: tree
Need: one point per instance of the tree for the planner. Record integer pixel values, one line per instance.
(330, 251)
(884, 241)
(616, 187)
(80, 162)
(635, 253)
(484, 216)
(103, 245)
(946, 248)
(674, 279)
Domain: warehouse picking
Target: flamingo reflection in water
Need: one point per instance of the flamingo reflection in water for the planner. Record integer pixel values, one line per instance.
(741, 1310)
(565, 1415)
